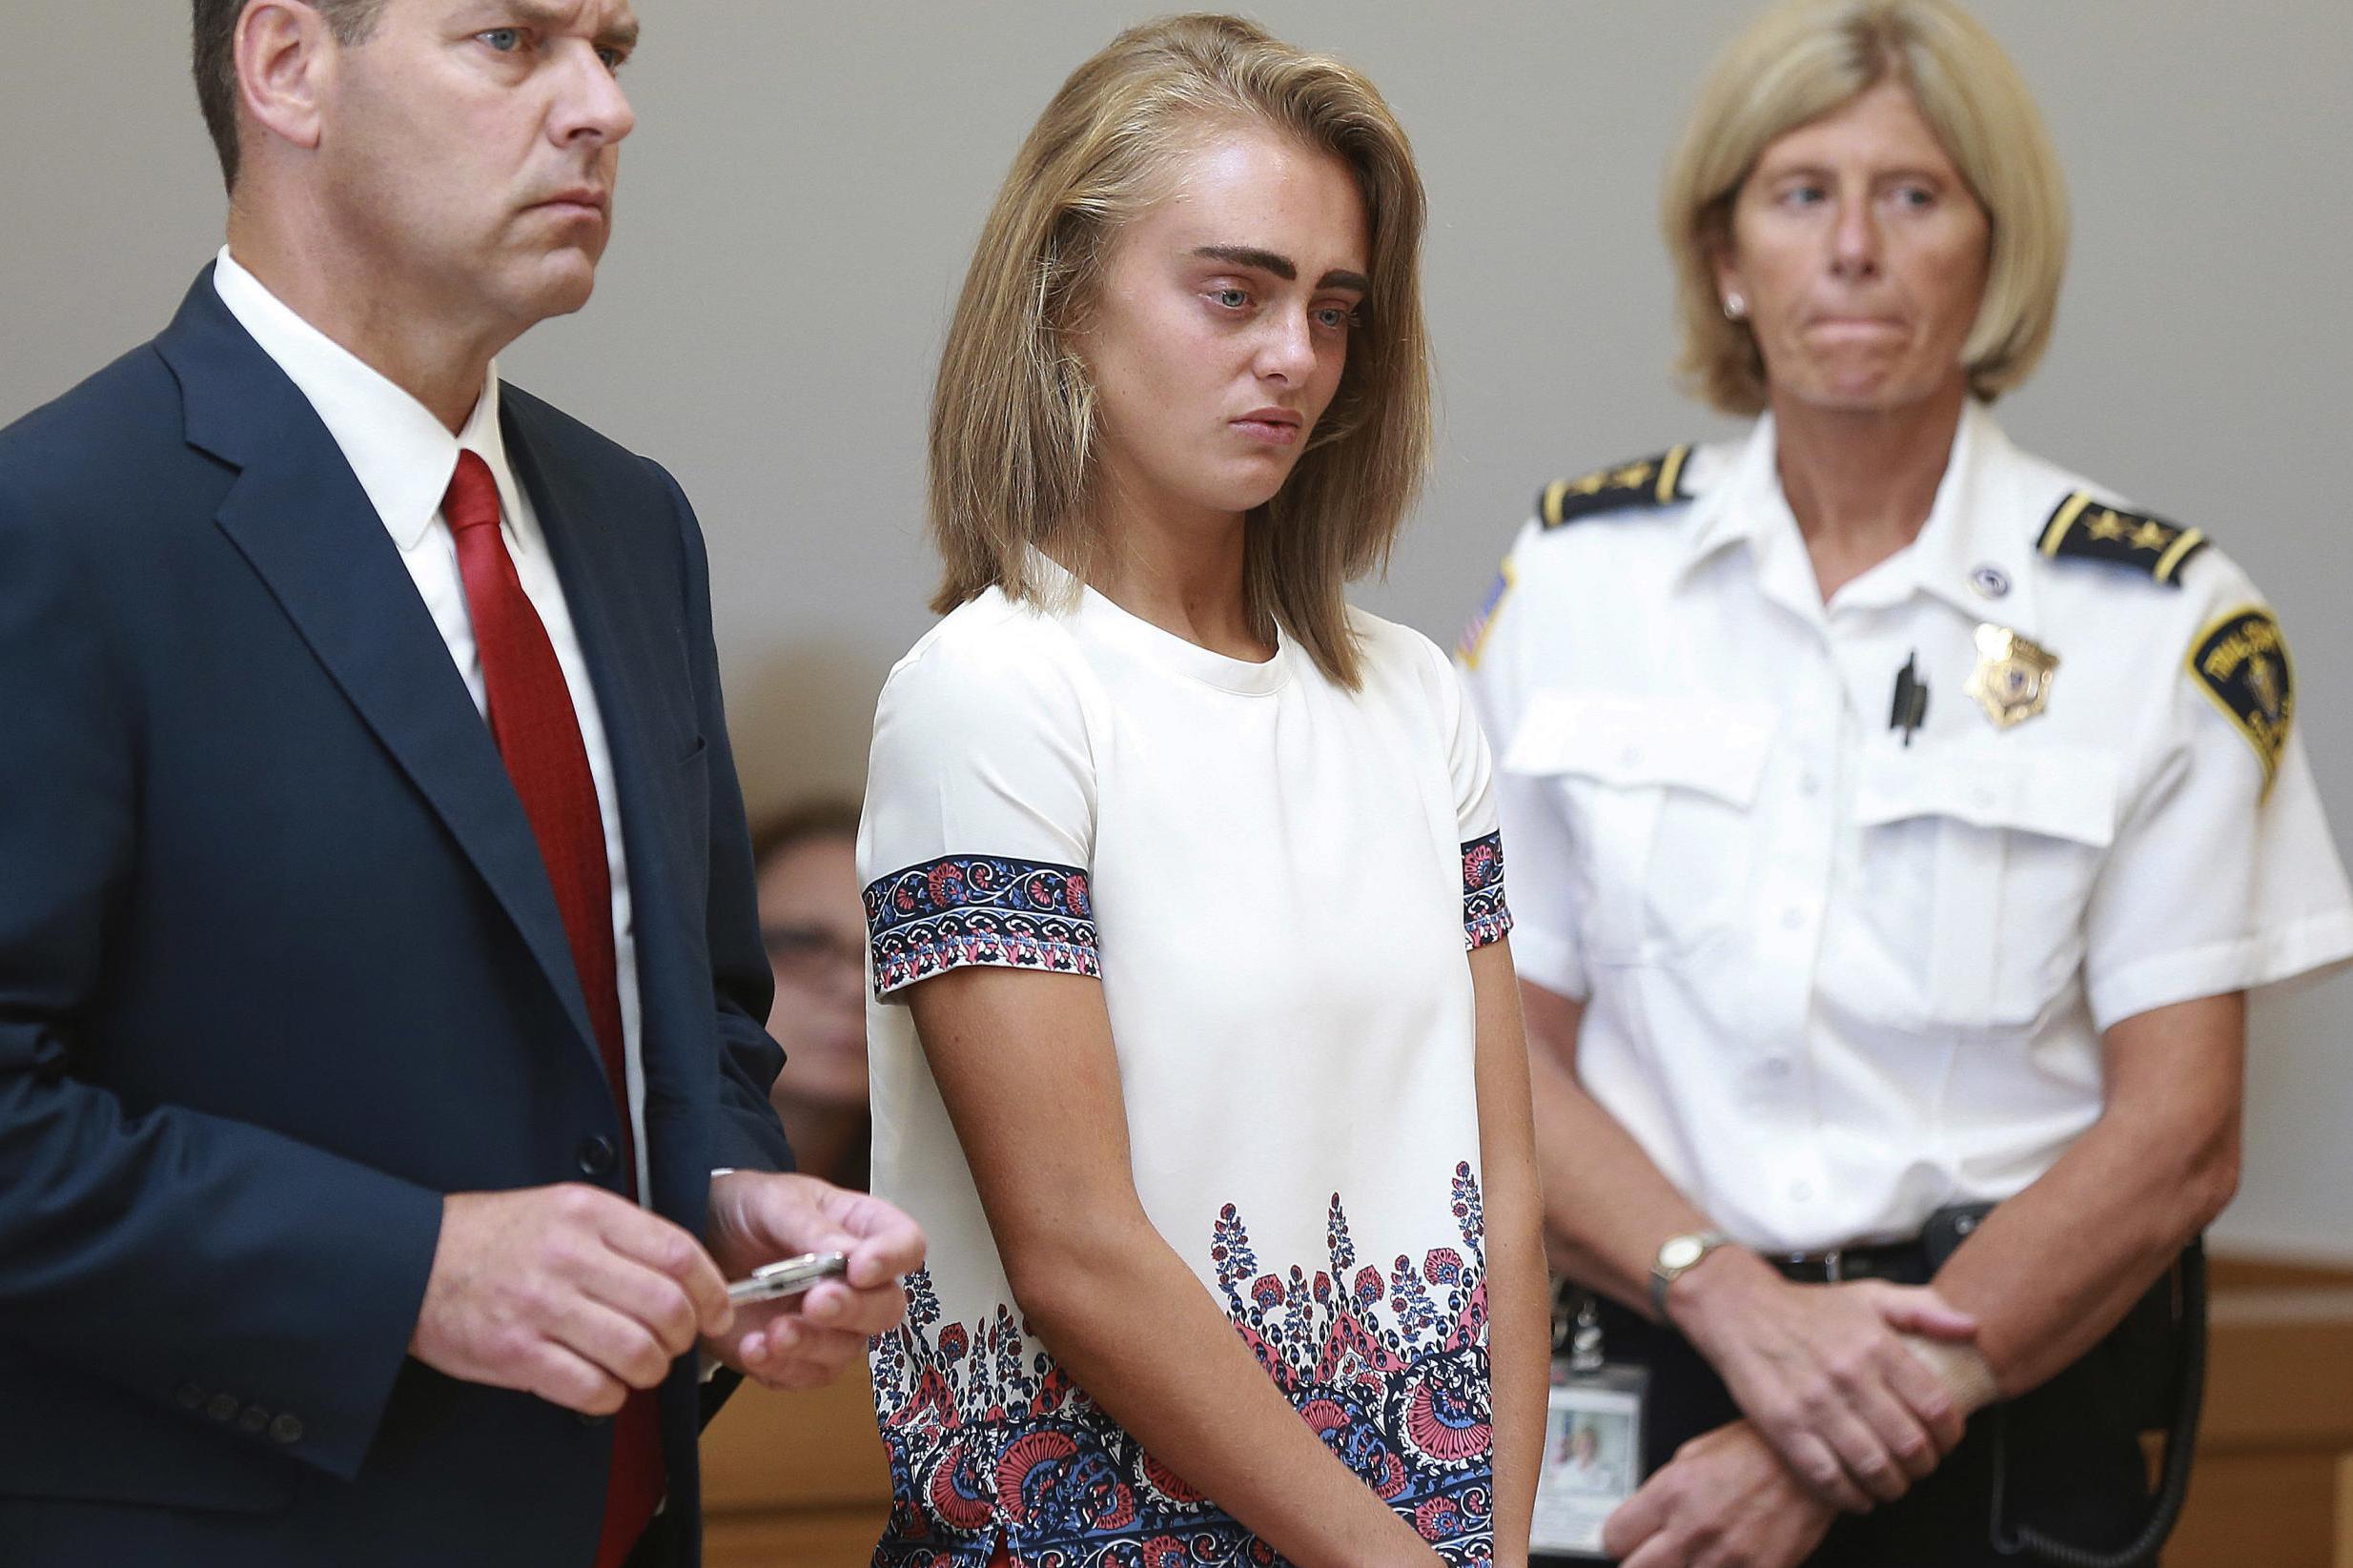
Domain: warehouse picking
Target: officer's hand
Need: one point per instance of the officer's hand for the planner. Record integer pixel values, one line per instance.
(804, 1341)
(570, 1292)
(1824, 1372)
(1724, 1502)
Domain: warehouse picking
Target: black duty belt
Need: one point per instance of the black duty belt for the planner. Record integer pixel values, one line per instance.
(1902, 1262)
(1914, 1262)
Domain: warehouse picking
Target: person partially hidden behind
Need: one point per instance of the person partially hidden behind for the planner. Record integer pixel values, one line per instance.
(383, 1103)
(813, 924)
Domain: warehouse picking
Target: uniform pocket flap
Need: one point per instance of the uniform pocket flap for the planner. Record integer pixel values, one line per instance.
(2060, 792)
(1715, 747)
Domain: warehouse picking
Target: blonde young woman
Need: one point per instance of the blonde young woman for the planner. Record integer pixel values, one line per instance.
(1898, 821)
(1195, 1043)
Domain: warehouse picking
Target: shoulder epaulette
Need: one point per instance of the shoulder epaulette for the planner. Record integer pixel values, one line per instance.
(2083, 529)
(1645, 483)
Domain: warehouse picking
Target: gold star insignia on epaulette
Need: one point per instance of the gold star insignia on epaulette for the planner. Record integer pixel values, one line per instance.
(2081, 529)
(1645, 483)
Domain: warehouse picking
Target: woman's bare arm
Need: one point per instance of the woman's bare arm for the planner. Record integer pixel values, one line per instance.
(1519, 1307)
(2053, 1269)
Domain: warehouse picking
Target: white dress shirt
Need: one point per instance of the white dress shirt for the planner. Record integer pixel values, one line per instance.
(403, 458)
(1834, 981)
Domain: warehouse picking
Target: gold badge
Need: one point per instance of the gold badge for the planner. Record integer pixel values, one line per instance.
(2013, 677)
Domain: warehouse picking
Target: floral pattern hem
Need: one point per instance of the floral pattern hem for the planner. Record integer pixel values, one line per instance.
(989, 1439)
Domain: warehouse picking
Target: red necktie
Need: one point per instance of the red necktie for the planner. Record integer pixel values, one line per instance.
(537, 736)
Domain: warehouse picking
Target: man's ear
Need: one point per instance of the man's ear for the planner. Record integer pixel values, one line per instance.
(286, 61)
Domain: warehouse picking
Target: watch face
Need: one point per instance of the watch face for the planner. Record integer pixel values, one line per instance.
(1679, 1252)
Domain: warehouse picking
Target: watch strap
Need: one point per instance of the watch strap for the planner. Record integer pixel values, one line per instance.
(1663, 1274)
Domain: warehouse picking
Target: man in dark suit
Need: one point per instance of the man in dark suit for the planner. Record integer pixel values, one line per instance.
(383, 1104)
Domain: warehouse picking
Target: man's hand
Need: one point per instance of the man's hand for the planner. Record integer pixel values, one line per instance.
(804, 1341)
(1824, 1371)
(570, 1292)
(1725, 1501)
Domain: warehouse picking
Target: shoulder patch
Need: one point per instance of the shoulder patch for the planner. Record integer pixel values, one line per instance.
(2081, 528)
(1475, 634)
(2242, 664)
(1645, 483)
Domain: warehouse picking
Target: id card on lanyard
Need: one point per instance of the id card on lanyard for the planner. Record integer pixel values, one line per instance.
(1592, 1457)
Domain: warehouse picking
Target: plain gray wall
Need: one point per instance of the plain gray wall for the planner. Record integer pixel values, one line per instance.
(806, 182)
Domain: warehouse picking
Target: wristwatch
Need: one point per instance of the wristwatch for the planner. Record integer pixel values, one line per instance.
(1679, 1255)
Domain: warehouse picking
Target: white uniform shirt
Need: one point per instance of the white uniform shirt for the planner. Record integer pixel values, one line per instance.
(403, 458)
(1275, 879)
(1832, 982)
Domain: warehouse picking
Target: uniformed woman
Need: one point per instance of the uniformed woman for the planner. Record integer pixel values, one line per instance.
(1898, 823)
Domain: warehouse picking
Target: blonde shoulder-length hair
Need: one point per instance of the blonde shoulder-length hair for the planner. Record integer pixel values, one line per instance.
(1804, 58)
(1013, 427)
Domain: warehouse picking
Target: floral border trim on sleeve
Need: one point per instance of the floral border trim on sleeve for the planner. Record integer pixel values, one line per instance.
(1485, 916)
(965, 909)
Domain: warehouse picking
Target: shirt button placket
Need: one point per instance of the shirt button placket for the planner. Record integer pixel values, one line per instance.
(1798, 839)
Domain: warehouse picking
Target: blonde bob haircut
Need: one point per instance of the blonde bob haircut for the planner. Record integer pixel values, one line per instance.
(1801, 59)
(1014, 420)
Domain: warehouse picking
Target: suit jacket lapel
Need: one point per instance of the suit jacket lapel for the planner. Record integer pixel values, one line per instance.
(301, 517)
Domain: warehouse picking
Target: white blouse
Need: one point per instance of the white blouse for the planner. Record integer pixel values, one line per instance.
(1276, 881)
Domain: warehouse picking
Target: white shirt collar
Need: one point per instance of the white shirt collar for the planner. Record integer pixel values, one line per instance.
(1977, 531)
(400, 454)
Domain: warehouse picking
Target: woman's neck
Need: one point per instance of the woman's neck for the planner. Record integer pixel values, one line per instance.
(1181, 569)
(1861, 484)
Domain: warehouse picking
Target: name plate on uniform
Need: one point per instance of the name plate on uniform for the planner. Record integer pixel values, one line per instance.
(1592, 1458)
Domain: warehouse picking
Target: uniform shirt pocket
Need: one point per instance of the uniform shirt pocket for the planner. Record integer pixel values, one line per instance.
(1977, 864)
(1658, 796)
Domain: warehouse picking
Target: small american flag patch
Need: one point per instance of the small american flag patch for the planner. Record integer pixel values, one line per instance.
(1475, 634)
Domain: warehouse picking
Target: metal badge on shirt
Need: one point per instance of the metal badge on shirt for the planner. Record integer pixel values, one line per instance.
(2013, 677)
(1592, 1457)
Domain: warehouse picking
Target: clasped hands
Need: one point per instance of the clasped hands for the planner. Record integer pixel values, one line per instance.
(1849, 1398)
(576, 1294)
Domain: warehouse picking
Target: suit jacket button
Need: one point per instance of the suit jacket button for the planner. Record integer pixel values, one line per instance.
(286, 1430)
(254, 1421)
(597, 1155)
(222, 1408)
(189, 1398)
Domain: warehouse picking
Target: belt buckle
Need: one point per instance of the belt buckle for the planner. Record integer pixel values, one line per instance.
(1833, 1263)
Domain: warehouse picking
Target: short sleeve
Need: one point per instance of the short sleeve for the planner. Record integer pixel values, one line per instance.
(980, 821)
(1499, 668)
(2222, 876)
(1470, 767)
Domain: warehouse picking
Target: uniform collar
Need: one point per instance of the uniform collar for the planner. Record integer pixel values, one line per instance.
(400, 454)
(1973, 553)
(1745, 506)
(1981, 533)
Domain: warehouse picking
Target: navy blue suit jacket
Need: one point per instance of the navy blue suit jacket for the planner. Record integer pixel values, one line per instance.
(280, 967)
